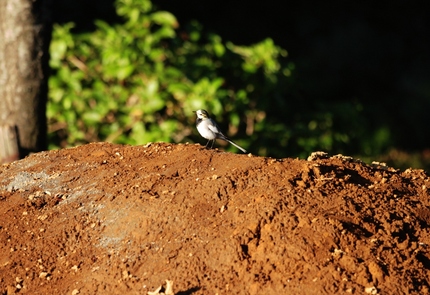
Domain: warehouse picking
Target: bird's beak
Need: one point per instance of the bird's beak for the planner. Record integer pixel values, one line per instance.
(194, 112)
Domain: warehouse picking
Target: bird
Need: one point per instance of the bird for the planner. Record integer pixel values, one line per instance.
(209, 129)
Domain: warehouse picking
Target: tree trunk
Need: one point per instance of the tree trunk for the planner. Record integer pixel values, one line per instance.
(25, 33)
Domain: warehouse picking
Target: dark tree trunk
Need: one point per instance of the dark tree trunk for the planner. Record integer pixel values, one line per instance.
(25, 34)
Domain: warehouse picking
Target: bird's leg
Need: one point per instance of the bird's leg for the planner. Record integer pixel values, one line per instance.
(206, 146)
(213, 141)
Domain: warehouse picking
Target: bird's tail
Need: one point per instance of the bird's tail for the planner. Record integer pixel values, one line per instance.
(241, 148)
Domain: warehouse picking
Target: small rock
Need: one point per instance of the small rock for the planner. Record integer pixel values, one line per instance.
(43, 274)
(371, 290)
(169, 289)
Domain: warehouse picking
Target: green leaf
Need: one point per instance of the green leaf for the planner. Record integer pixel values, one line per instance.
(164, 18)
(91, 117)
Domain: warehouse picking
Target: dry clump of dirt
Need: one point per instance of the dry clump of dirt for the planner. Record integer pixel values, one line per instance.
(113, 219)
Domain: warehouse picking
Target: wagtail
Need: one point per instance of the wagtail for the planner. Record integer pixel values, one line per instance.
(210, 130)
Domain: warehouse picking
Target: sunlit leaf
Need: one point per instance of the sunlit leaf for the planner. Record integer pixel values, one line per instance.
(164, 18)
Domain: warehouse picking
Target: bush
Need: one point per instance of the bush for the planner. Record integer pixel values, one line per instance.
(140, 80)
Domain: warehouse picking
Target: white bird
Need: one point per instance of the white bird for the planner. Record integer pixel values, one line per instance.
(209, 129)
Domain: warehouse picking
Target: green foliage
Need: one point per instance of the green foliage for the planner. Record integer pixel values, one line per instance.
(140, 80)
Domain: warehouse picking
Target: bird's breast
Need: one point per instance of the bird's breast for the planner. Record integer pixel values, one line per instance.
(205, 132)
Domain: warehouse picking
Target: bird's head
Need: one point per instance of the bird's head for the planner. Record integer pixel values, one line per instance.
(202, 114)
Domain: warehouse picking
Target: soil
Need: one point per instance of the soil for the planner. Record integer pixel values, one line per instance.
(114, 219)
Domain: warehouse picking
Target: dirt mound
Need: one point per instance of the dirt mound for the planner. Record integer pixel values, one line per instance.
(112, 219)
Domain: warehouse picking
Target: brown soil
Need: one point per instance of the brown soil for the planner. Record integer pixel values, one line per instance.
(113, 219)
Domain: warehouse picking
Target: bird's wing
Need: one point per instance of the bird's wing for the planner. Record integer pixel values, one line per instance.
(214, 127)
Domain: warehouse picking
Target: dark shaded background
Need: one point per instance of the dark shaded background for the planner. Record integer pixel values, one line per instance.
(371, 53)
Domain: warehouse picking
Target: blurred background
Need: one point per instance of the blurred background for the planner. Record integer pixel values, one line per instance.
(282, 78)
